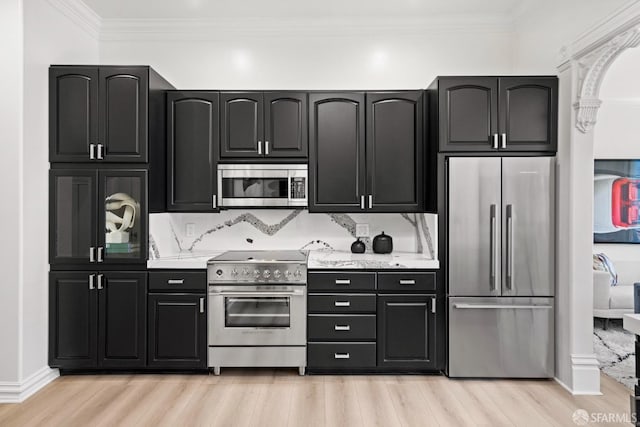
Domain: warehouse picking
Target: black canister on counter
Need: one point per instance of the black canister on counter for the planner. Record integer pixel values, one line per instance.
(382, 244)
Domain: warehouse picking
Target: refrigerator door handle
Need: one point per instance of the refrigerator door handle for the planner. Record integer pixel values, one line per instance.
(510, 247)
(498, 306)
(493, 247)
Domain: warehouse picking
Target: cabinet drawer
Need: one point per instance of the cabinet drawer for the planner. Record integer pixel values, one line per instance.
(342, 303)
(341, 327)
(407, 282)
(341, 282)
(178, 281)
(341, 355)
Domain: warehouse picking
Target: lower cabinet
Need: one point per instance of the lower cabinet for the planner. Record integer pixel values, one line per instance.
(406, 331)
(390, 321)
(177, 331)
(97, 319)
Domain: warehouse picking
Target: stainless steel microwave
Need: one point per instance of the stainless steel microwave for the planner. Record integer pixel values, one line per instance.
(258, 185)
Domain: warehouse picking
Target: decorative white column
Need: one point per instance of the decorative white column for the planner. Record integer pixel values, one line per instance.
(581, 75)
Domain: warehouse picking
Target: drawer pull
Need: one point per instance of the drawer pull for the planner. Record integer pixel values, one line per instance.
(407, 282)
(342, 303)
(341, 356)
(343, 282)
(175, 281)
(342, 327)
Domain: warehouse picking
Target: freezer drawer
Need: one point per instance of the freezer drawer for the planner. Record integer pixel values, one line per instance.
(501, 337)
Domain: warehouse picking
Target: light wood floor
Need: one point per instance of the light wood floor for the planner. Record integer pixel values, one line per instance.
(282, 398)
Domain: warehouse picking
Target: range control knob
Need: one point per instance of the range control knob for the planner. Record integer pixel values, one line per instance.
(245, 272)
(234, 272)
(219, 272)
(277, 274)
(297, 274)
(287, 274)
(256, 273)
(266, 274)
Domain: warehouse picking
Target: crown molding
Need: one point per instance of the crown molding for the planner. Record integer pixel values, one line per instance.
(621, 21)
(212, 29)
(81, 14)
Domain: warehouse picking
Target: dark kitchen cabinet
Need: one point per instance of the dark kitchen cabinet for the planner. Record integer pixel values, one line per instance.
(337, 162)
(97, 319)
(505, 114)
(178, 331)
(406, 331)
(285, 124)
(263, 125)
(73, 320)
(192, 139)
(73, 216)
(105, 113)
(122, 308)
(98, 217)
(395, 155)
(73, 113)
(389, 177)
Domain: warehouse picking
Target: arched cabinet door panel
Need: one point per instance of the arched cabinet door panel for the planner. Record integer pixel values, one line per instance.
(394, 151)
(241, 119)
(468, 113)
(73, 113)
(528, 113)
(285, 124)
(337, 169)
(123, 114)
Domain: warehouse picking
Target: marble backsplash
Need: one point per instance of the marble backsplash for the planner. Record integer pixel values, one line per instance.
(178, 233)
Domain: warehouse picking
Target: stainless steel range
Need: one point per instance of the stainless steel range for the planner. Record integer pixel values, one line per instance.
(257, 309)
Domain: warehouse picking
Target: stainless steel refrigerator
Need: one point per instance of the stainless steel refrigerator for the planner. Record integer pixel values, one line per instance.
(501, 266)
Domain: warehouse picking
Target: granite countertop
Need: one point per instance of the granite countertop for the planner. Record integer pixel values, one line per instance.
(631, 322)
(321, 259)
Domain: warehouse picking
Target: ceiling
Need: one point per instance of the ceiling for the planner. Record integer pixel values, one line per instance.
(303, 9)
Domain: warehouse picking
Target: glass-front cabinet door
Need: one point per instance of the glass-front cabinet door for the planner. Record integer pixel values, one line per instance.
(73, 225)
(122, 216)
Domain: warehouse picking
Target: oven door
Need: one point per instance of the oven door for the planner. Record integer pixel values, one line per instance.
(257, 315)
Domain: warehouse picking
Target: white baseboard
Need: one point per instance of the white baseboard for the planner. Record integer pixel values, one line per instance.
(585, 371)
(16, 392)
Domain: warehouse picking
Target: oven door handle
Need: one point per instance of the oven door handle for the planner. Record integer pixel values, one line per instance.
(257, 294)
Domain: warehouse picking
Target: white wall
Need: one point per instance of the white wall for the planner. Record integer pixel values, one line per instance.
(382, 61)
(617, 134)
(49, 38)
(10, 191)
(543, 30)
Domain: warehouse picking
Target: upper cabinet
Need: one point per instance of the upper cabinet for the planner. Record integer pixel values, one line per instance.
(105, 114)
(504, 114)
(192, 139)
(263, 125)
(372, 165)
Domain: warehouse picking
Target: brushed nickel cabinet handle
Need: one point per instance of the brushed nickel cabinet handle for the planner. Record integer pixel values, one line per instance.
(92, 151)
(495, 141)
(266, 148)
(100, 249)
(504, 140)
(100, 157)
(370, 201)
(201, 305)
(342, 304)
(92, 278)
(408, 282)
(341, 356)
(362, 202)
(92, 254)
(342, 328)
(260, 147)
(214, 201)
(343, 282)
(175, 281)
(100, 285)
